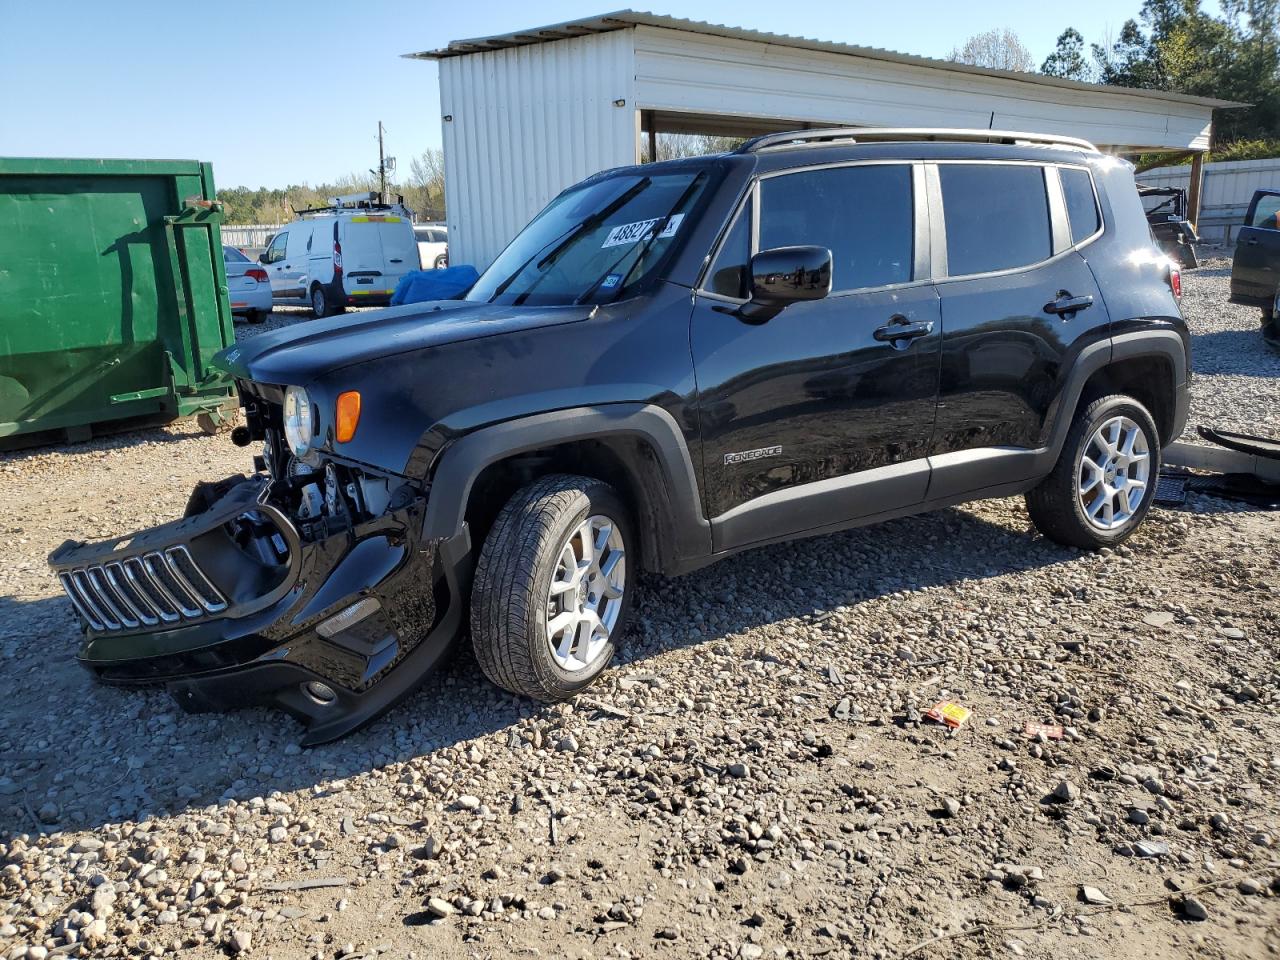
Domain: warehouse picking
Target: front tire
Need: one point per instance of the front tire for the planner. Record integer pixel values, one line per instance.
(442, 261)
(1102, 486)
(553, 587)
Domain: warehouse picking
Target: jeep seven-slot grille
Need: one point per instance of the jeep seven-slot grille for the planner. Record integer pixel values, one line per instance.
(164, 586)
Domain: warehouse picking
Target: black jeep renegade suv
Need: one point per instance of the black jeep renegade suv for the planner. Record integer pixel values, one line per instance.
(672, 363)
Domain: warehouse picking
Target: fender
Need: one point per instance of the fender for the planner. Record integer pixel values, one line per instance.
(683, 533)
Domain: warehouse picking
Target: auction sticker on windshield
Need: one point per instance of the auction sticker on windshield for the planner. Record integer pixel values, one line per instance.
(631, 232)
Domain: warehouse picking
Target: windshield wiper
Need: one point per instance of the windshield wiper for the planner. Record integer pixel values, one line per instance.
(588, 224)
(642, 248)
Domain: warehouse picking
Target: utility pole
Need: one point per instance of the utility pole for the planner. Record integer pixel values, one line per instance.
(382, 165)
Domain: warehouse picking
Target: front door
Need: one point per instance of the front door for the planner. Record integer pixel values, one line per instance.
(1255, 269)
(274, 261)
(819, 415)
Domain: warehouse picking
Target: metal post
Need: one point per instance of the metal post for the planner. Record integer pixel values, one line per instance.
(653, 137)
(382, 166)
(1194, 189)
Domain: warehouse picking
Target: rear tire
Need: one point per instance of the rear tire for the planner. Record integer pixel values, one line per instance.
(1101, 488)
(553, 587)
(255, 316)
(442, 261)
(321, 304)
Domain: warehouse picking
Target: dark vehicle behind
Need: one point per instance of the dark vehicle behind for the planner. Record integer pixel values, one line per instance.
(1255, 269)
(1167, 213)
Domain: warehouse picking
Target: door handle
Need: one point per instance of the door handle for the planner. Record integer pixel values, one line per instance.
(1066, 303)
(1251, 242)
(899, 328)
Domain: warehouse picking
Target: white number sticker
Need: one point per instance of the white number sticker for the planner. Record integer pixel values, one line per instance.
(631, 232)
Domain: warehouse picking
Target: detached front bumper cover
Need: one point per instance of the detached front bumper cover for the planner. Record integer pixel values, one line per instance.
(223, 607)
(185, 571)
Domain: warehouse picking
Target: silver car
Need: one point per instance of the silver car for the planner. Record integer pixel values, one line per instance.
(248, 286)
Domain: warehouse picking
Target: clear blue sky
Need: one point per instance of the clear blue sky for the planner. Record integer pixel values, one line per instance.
(275, 93)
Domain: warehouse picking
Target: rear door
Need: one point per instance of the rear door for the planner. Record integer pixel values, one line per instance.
(377, 250)
(1016, 238)
(1255, 269)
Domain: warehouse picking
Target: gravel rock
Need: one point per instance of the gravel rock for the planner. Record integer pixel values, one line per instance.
(440, 907)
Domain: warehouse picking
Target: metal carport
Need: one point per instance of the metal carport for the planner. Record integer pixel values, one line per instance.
(527, 113)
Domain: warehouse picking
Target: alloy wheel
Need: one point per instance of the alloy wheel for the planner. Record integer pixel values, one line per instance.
(1115, 469)
(585, 597)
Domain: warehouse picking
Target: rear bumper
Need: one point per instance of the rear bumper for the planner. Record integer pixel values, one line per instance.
(371, 297)
(250, 632)
(242, 301)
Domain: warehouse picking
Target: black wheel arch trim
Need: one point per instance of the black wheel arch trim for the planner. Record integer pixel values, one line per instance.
(682, 534)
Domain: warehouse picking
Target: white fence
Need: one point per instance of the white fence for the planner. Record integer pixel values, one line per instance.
(243, 235)
(1228, 188)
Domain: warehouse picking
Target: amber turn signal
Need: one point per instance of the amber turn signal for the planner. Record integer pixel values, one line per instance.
(348, 415)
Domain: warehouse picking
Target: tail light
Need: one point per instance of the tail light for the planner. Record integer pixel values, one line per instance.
(257, 273)
(1175, 281)
(337, 260)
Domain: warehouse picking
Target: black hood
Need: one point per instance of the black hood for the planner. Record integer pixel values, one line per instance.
(298, 354)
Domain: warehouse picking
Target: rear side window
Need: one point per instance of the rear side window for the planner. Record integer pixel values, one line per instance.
(232, 255)
(1267, 212)
(1082, 206)
(863, 214)
(728, 276)
(997, 216)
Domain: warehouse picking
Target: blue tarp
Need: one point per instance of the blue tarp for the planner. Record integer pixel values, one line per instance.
(446, 284)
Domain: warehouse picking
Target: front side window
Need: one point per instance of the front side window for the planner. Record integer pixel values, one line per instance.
(862, 214)
(1082, 206)
(1267, 212)
(275, 252)
(997, 216)
(595, 241)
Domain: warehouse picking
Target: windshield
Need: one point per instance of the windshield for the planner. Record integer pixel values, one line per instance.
(594, 241)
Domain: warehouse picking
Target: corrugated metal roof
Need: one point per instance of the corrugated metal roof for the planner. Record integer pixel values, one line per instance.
(626, 19)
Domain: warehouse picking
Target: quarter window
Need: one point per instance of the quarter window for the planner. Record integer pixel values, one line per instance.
(728, 276)
(862, 214)
(997, 216)
(1082, 207)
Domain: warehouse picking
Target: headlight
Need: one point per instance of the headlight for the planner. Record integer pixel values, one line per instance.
(299, 424)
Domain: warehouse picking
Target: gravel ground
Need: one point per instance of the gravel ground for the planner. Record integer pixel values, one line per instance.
(754, 778)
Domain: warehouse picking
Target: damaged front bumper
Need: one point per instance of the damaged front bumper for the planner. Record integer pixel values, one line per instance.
(238, 605)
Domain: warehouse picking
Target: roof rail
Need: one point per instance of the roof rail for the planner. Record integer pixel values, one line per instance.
(882, 134)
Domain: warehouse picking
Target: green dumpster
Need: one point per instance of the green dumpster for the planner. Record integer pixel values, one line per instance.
(113, 297)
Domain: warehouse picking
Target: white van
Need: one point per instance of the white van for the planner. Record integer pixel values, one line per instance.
(350, 254)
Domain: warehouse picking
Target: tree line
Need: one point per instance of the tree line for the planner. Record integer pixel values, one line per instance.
(422, 189)
(1174, 45)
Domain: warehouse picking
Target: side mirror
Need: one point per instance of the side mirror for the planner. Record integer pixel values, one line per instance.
(786, 275)
(262, 257)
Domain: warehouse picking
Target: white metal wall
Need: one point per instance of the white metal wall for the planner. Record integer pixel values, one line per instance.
(1228, 188)
(528, 122)
(680, 71)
